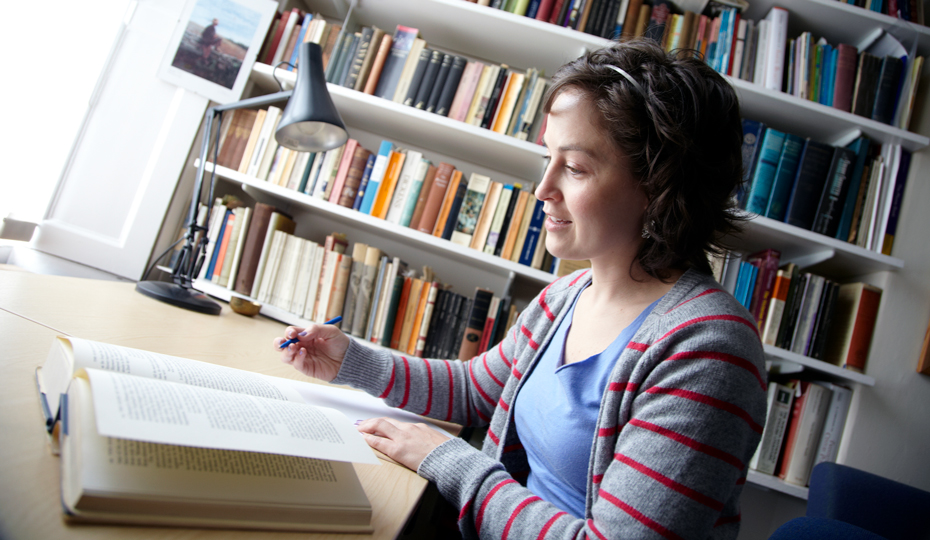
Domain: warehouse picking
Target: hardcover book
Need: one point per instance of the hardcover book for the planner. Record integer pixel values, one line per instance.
(808, 184)
(785, 175)
(393, 65)
(474, 328)
(839, 178)
(778, 412)
(260, 478)
(856, 313)
(467, 218)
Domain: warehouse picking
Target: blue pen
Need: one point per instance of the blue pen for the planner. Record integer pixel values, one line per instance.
(335, 320)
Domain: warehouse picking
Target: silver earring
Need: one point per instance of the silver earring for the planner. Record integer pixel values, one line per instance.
(645, 234)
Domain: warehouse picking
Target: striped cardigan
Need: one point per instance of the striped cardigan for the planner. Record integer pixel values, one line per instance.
(678, 423)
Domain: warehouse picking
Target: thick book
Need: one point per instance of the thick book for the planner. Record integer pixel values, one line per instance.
(465, 91)
(450, 86)
(851, 333)
(767, 262)
(778, 412)
(423, 196)
(753, 132)
(339, 288)
(434, 200)
(453, 219)
(474, 328)
(776, 308)
(834, 423)
(278, 222)
(807, 417)
(533, 235)
(410, 67)
(785, 174)
(251, 251)
(385, 194)
(488, 209)
(363, 297)
(377, 174)
(377, 65)
(426, 320)
(353, 178)
(472, 203)
(393, 66)
(359, 56)
(514, 224)
(846, 59)
(416, 78)
(435, 90)
(792, 306)
(866, 84)
(428, 79)
(808, 184)
(763, 176)
(860, 147)
(839, 178)
(404, 186)
(807, 313)
(886, 91)
(341, 170)
(497, 220)
(121, 404)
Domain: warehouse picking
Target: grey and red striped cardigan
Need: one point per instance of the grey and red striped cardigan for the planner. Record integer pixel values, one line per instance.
(678, 423)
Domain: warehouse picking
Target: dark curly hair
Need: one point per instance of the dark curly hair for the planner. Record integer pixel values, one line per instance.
(681, 131)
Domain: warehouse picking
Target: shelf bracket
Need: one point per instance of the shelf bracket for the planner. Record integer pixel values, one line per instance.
(810, 259)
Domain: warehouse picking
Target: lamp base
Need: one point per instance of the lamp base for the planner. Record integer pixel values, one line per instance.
(176, 295)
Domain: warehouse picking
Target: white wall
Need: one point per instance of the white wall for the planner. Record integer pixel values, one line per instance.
(52, 57)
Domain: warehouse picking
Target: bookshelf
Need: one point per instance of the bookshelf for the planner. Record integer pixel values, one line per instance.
(523, 43)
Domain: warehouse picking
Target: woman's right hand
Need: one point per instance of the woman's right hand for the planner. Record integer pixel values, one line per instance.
(319, 351)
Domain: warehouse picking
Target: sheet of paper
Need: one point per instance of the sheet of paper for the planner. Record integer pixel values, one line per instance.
(153, 410)
(357, 406)
(93, 354)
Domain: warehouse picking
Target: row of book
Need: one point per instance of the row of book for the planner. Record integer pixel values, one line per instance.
(803, 427)
(402, 68)
(255, 253)
(803, 312)
(908, 10)
(852, 193)
(877, 81)
(395, 184)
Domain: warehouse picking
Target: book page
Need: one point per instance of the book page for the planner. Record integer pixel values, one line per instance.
(356, 405)
(93, 354)
(152, 410)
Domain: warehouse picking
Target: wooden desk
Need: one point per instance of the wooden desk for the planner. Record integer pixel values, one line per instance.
(36, 308)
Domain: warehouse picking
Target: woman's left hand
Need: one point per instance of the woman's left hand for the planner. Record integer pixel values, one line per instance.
(405, 443)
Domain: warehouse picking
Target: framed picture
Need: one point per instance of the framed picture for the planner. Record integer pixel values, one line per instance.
(214, 46)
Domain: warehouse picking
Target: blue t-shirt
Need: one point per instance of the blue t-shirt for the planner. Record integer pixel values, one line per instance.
(556, 415)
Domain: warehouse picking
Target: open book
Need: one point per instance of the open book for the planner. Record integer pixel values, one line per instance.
(155, 439)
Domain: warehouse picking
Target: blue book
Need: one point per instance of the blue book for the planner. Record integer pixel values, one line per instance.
(784, 177)
(300, 39)
(218, 242)
(377, 173)
(363, 185)
(808, 184)
(532, 235)
(764, 176)
(747, 283)
(861, 147)
(753, 130)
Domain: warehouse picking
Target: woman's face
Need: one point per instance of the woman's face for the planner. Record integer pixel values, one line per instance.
(594, 209)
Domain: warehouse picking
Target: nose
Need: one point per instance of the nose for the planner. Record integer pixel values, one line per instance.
(546, 188)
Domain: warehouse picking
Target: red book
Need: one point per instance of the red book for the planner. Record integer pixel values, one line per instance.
(276, 40)
(545, 10)
(851, 331)
(767, 262)
(846, 59)
(340, 180)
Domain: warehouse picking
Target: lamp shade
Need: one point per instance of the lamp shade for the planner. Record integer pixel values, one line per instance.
(310, 122)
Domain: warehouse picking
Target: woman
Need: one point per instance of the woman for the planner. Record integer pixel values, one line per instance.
(627, 399)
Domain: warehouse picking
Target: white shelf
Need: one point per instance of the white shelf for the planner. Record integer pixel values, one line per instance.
(812, 250)
(423, 242)
(774, 483)
(783, 360)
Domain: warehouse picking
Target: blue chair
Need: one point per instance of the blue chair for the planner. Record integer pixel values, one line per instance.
(849, 504)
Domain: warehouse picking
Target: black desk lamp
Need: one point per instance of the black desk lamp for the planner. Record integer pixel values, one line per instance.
(309, 123)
